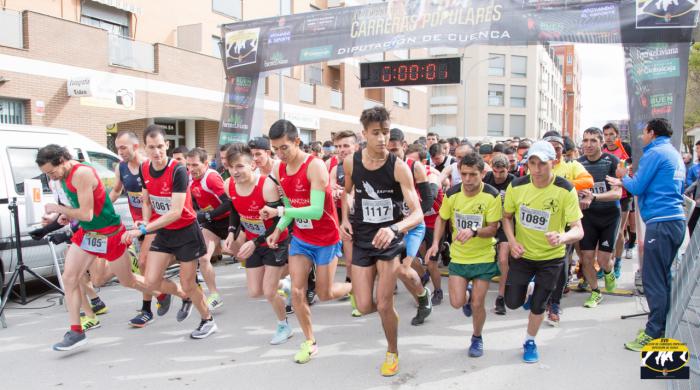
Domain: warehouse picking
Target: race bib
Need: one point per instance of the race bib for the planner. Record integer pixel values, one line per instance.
(468, 221)
(93, 242)
(534, 219)
(160, 204)
(254, 226)
(599, 187)
(134, 199)
(303, 223)
(377, 210)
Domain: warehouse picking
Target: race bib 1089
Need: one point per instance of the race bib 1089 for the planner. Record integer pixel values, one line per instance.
(534, 219)
(377, 210)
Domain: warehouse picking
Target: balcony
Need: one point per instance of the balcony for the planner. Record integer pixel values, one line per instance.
(369, 103)
(11, 28)
(443, 110)
(336, 98)
(443, 100)
(307, 93)
(131, 54)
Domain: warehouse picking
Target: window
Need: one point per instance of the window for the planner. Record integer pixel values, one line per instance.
(23, 166)
(495, 125)
(517, 126)
(313, 74)
(104, 165)
(518, 66)
(568, 78)
(306, 136)
(517, 95)
(569, 59)
(400, 97)
(439, 90)
(231, 8)
(12, 111)
(496, 92)
(215, 47)
(112, 19)
(497, 64)
(286, 7)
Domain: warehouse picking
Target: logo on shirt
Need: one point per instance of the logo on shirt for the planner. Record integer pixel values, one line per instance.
(551, 205)
(165, 188)
(479, 209)
(196, 192)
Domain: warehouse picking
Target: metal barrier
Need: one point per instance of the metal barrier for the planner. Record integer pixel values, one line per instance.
(683, 320)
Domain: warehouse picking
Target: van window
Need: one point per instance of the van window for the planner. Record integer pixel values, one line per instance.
(104, 164)
(23, 166)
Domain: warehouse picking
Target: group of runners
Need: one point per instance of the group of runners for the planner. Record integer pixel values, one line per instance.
(512, 213)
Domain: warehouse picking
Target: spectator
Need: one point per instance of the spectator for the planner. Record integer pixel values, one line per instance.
(657, 184)
(694, 172)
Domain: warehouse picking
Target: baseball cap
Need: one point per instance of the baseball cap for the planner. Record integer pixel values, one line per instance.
(542, 149)
(396, 135)
(259, 143)
(553, 136)
(485, 149)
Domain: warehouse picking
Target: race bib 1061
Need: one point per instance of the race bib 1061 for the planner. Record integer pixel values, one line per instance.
(93, 242)
(160, 204)
(534, 219)
(468, 221)
(377, 210)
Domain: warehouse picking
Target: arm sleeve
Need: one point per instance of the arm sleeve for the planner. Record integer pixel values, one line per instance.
(313, 211)
(426, 196)
(180, 180)
(582, 179)
(234, 222)
(223, 207)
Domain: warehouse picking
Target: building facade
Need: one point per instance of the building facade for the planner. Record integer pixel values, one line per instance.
(99, 66)
(571, 74)
(509, 91)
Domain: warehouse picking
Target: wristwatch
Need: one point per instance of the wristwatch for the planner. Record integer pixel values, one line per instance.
(394, 229)
(475, 231)
(594, 198)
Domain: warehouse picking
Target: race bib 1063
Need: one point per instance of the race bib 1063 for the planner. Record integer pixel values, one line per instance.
(134, 199)
(93, 242)
(534, 219)
(468, 221)
(253, 226)
(377, 210)
(160, 204)
(303, 223)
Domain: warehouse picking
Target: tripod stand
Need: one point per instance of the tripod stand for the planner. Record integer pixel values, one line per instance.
(21, 268)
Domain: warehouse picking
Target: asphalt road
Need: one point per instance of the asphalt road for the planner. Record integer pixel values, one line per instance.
(585, 352)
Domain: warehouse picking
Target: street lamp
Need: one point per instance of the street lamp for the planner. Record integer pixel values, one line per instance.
(465, 78)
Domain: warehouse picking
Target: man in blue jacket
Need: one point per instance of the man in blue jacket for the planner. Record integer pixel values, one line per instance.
(658, 185)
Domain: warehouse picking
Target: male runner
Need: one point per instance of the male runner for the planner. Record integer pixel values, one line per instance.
(414, 237)
(262, 154)
(542, 204)
(180, 155)
(316, 240)
(98, 236)
(250, 192)
(381, 183)
(499, 179)
(207, 188)
(601, 214)
(166, 194)
(474, 210)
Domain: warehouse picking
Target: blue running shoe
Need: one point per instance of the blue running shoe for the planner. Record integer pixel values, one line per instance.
(477, 347)
(530, 354)
(617, 269)
(467, 308)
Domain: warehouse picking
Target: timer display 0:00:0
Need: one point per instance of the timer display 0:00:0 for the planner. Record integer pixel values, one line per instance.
(413, 72)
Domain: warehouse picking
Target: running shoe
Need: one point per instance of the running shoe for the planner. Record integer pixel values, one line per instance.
(185, 310)
(476, 349)
(307, 349)
(593, 300)
(390, 367)
(163, 304)
(600, 274)
(282, 334)
(142, 319)
(71, 340)
(553, 315)
(467, 308)
(530, 354)
(135, 265)
(425, 278)
(289, 309)
(437, 297)
(355, 312)
(310, 297)
(610, 282)
(582, 285)
(617, 268)
(214, 301)
(99, 308)
(425, 307)
(205, 328)
(638, 343)
(89, 323)
(628, 253)
(500, 308)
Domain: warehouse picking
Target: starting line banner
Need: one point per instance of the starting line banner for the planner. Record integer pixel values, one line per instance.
(655, 34)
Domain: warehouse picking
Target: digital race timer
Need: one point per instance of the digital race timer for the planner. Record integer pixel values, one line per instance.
(410, 72)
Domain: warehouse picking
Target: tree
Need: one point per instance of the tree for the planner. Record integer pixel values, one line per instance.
(692, 94)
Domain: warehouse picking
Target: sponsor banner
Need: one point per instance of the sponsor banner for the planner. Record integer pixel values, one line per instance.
(666, 14)
(237, 114)
(665, 359)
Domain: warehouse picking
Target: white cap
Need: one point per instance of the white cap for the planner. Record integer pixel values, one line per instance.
(542, 149)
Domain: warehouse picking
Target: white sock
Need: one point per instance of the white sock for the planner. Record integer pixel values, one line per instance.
(282, 322)
(528, 337)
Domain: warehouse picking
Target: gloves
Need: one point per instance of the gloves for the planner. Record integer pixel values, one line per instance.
(38, 234)
(61, 237)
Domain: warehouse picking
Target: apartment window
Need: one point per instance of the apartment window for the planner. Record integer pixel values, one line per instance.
(286, 7)
(496, 92)
(215, 48)
(497, 64)
(517, 95)
(12, 111)
(439, 120)
(114, 20)
(400, 97)
(231, 8)
(518, 66)
(313, 74)
(307, 136)
(569, 59)
(568, 78)
(495, 125)
(517, 126)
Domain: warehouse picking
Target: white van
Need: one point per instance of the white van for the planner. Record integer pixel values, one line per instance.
(18, 148)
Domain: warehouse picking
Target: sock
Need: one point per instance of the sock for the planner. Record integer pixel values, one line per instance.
(282, 322)
(618, 259)
(347, 279)
(146, 306)
(528, 337)
(424, 293)
(633, 239)
(597, 290)
(161, 297)
(476, 337)
(76, 328)
(95, 301)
